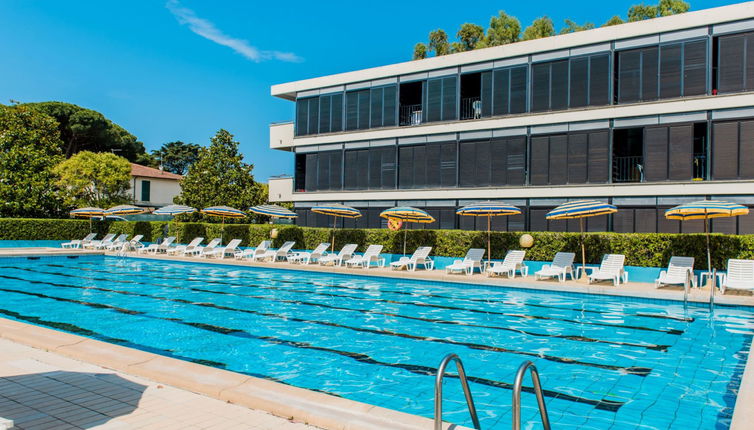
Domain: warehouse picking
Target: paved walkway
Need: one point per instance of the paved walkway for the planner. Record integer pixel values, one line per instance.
(40, 390)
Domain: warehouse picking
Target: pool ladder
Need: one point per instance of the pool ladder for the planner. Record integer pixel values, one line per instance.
(517, 385)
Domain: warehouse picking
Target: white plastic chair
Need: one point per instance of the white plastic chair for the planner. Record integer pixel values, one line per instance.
(419, 257)
(260, 249)
(611, 269)
(739, 276)
(276, 254)
(221, 251)
(94, 243)
(513, 262)
(78, 243)
(337, 259)
(680, 271)
(158, 248)
(116, 244)
(561, 266)
(306, 257)
(199, 250)
(372, 254)
(472, 261)
(184, 249)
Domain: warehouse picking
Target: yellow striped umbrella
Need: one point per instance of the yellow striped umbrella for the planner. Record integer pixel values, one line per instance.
(407, 214)
(88, 212)
(706, 209)
(581, 209)
(124, 210)
(336, 210)
(223, 212)
(488, 209)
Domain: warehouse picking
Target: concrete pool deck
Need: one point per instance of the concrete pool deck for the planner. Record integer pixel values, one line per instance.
(321, 410)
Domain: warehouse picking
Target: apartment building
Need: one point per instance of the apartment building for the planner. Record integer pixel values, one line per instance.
(645, 115)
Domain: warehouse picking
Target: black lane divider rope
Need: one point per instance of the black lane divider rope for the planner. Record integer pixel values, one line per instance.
(631, 370)
(578, 338)
(642, 328)
(406, 293)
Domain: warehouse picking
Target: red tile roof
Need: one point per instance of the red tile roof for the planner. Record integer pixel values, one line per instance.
(149, 172)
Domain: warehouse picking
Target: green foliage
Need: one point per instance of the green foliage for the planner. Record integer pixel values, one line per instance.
(640, 12)
(420, 51)
(469, 37)
(503, 29)
(94, 179)
(220, 177)
(615, 20)
(438, 42)
(152, 230)
(49, 229)
(572, 27)
(672, 7)
(87, 130)
(177, 157)
(29, 151)
(539, 28)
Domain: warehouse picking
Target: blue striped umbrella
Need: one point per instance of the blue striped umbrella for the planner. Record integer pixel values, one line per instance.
(581, 209)
(336, 210)
(407, 214)
(273, 211)
(124, 210)
(174, 210)
(488, 209)
(88, 212)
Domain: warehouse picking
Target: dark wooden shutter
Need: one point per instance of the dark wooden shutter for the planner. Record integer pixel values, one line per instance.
(375, 107)
(731, 54)
(596, 223)
(351, 170)
(432, 160)
(746, 223)
(311, 172)
(695, 68)
(466, 162)
(725, 150)
(577, 156)
(516, 163)
(336, 123)
(363, 169)
(375, 168)
(597, 162)
(434, 100)
(363, 109)
(498, 162)
(486, 94)
(313, 115)
(541, 87)
(670, 71)
(388, 167)
(579, 95)
(448, 164)
(599, 80)
(389, 106)
(302, 117)
(665, 225)
(449, 89)
(723, 225)
(540, 160)
(649, 73)
(324, 114)
(336, 170)
(352, 110)
(655, 154)
(646, 220)
(405, 167)
(749, 76)
(483, 163)
(420, 166)
(629, 76)
(746, 150)
(559, 85)
(518, 89)
(538, 220)
(623, 221)
(558, 159)
(500, 92)
(681, 152)
(323, 171)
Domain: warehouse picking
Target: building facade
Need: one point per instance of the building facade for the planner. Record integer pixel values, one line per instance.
(153, 188)
(645, 115)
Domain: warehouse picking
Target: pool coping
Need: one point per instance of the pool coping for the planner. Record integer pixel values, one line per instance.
(297, 404)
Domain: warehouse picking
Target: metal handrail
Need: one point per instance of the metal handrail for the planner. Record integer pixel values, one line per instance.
(537, 390)
(464, 384)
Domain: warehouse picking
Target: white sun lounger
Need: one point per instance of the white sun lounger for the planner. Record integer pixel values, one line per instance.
(372, 254)
(739, 276)
(472, 261)
(419, 257)
(611, 269)
(513, 262)
(115, 244)
(186, 249)
(337, 259)
(262, 248)
(162, 247)
(680, 271)
(135, 243)
(221, 251)
(199, 250)
(95, 243)
(561, 266)
(276, 254)
(306, 257)
(78, 243)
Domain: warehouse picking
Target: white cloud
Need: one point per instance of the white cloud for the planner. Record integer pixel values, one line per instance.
(208, 30)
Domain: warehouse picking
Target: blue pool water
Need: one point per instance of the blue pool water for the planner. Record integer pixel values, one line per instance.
(606, 362)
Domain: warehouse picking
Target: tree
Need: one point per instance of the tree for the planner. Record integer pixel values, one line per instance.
(572, 27)
(220, 177)
(438, 42)
(469, 36)
(98, 179)
(503, 29)
(177, 157)
(640, 12)
(541, 27)
(615, 20)
(87, 130)
(420, 51)
(29, 151)
(672, 7)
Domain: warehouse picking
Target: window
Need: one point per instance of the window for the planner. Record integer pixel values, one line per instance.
(320, 171)
(574, 158)
(410, 103)
(637, 75)
(576, 82)
(145, 190)
(735, 63)
(733, 150)
(307, 116)
(331, 113)
(357, 109)
(496, 162)
(370, 168)
(427, 166)
(509, 90)
(476, 95)
(441, 99)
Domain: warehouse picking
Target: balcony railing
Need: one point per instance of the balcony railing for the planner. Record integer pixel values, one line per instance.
(628, 169)
(410, 115)
(700, 167)
(471, 108)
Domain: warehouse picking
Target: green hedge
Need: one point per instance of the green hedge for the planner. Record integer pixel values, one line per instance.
(640, 249)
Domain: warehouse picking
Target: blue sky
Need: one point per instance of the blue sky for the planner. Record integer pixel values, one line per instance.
(181, 70)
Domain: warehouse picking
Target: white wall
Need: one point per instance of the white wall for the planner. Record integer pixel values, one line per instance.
(281, 135)
(162, 191)
(281, 189)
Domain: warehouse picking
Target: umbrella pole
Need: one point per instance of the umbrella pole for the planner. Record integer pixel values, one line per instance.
(405, 234)
(583, 249)
(713, 277)
(489, 242)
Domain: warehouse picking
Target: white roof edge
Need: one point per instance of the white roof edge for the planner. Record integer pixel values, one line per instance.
(735, 12)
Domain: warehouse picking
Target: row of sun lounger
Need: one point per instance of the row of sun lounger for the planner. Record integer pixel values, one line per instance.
(680, 271)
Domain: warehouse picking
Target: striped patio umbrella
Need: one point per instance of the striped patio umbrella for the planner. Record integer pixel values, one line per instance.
(488, 209)
(223, 212)
(89, 212)
(336, 210)
(407, 214)
(174, 210)
(706, 209)
(124, 210)
(581, 209)
(273, 211)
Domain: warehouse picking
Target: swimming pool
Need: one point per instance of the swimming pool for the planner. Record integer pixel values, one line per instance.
(606, 362)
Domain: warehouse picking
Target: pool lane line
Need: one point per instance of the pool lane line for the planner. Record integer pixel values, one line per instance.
(655, 347)
(630, 370)
(413, 294)
(490, 312)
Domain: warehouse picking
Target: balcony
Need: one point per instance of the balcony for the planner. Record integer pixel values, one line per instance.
(281, 135)
(471, 108)
(410, 115)
(628, 169)
(281, 189)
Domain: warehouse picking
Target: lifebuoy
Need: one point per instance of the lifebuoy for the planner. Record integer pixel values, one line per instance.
(394, 224)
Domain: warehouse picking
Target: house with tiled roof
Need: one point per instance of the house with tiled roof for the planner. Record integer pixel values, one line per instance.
(152, 187)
